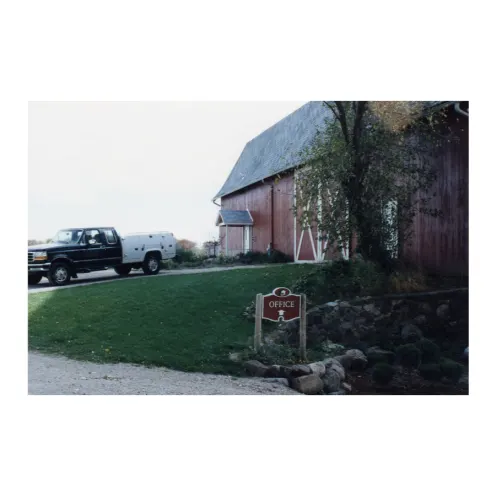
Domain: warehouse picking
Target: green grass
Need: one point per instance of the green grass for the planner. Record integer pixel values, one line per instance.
(185, 322)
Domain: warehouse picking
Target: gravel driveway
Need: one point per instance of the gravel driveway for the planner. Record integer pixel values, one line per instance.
(59, 375)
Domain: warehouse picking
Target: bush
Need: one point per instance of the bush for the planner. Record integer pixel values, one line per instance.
(430, 371)
(429, 351)
(383, 373)
(407, 281)
(341, 279)
(169, 264)
(408, 355)
(277, 257)
(451, 370)
(226, 260)
(253, 257)
(183, 255)
(274, 354)
(257, 257)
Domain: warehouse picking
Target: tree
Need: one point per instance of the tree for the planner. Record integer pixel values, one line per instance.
(364, 172)
(186, 244)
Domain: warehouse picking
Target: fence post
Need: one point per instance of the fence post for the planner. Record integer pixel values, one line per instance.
(258, 322)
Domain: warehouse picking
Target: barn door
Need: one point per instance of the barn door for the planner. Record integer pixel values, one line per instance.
(307, 248)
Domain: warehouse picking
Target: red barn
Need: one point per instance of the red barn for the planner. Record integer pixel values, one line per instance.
(256, 201)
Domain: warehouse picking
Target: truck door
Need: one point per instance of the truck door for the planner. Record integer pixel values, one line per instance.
(112, 254)
(95, 249)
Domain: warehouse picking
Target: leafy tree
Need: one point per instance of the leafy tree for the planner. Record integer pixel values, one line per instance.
(371, 166)
(186, 244)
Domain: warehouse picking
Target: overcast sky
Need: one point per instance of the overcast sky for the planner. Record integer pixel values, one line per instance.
(137, 166)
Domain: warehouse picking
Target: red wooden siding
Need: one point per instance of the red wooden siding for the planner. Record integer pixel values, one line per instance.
(257, 199)
(440, 244)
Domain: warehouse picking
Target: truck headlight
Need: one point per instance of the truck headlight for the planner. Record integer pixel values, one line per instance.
(40, 255)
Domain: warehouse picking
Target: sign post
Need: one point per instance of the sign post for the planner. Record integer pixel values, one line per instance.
(303, 328)
(281, 306)
(258, 322)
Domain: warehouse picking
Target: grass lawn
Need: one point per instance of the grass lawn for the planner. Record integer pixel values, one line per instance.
(185, 322)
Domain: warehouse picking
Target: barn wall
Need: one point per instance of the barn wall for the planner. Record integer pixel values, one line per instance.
(257, 199)
(440, 244)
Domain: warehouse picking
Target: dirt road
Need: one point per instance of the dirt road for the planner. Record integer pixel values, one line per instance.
(59, 375)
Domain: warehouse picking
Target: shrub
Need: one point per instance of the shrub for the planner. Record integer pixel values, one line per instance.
(451, 370)
(429, 351)
(257, 257)
(226, 260)
(169, 264)
(184, 255)
(383, 373)
(277, 256)
(274, 354)
(408, 355)
(430, 371)
(407, 281)
(253, 257)
(341, 279)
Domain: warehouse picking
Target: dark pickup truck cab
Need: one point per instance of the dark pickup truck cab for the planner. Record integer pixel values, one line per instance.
(82, 250)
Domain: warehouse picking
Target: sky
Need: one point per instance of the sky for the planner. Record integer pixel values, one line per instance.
(137, 166)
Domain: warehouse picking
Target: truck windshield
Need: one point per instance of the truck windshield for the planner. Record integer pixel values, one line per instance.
(68, 236)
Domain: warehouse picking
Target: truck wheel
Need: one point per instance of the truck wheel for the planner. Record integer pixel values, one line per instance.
(123, 270)
(59, 274)
(34, 278)
(151, 265)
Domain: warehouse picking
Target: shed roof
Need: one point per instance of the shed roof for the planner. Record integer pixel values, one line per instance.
(278, 148)
(235, 218)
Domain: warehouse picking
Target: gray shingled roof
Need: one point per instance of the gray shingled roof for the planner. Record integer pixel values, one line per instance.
(235, 218)
(276, 149)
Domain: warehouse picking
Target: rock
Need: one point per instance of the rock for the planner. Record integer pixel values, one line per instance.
(300, 370)
(256, 368)
(346, 387)
(318, 368)
(376, 355)
(410, 333)
(278, 380)
(274, 371)
(358, 359)
(307, 384)
(314, 319)
(425, 308)
(332, 381)
(333, 364)
(345, 360)
(346, 326)
(372, 309)
(285, 371)
(344, 304)
(235, 357)
(420, 320)
(443, 311)
(331, 304)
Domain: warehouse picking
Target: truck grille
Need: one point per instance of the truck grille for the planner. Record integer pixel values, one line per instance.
(30, 257)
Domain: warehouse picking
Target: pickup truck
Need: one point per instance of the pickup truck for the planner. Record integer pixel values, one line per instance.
(80, 250)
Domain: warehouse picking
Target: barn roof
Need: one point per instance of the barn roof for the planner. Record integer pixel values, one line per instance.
(278, 148)
(235, 218)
